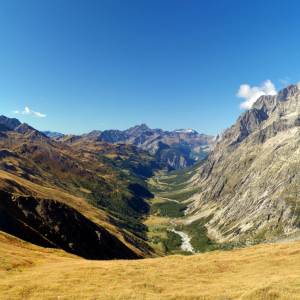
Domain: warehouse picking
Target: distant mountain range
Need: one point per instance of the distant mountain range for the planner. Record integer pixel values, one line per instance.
(53, 134)
(177, 149)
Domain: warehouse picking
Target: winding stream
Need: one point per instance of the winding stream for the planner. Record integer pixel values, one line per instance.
(186, 241)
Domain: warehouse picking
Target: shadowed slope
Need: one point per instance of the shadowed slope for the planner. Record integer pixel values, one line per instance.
(38, 227)
(50, 223)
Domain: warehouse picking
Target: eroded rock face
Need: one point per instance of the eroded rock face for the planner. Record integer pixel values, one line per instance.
(50, 223)
(250, 184)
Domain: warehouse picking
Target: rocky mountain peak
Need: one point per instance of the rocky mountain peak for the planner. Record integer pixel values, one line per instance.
(269, 114)
(288, 92)
(138, 129)
(266, 103)
(142, 126)
(269, 103)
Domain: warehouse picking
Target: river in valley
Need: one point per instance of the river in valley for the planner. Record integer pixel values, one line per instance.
(186, 241)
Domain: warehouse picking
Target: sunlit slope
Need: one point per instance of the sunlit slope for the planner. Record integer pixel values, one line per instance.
(246, 192)
(260, 272)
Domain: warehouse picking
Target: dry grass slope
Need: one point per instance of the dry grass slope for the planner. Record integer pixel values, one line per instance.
(270, 271)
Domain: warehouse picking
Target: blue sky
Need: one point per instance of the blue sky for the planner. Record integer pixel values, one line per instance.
(100, 64)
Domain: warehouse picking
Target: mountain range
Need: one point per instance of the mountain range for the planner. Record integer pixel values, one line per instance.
(177, 149)
(121, 194)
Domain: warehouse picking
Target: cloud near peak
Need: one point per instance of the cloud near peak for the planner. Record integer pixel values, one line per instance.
(251, 94)
(28, 111)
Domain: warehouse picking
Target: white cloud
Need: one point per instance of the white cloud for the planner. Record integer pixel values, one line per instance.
(251, 94)
(28, 111)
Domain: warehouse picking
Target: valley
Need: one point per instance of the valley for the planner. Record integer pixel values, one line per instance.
(245, 192)
(121, 183)
(167, 215)
(170, 229)
(100, 205)
(240, 191)
(149, 150)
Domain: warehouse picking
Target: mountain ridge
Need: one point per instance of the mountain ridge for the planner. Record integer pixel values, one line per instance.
(177, 149)
(248, 181)
(46, 172)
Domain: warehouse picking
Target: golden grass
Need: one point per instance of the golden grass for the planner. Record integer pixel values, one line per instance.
(153, 220)
(270, 271)
(157, 230)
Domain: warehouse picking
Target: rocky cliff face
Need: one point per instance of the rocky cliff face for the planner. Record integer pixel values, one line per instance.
(248, 189)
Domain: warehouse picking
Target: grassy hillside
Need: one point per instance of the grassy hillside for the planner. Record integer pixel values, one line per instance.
(105, 183)
(267, 271)
(18, 186)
